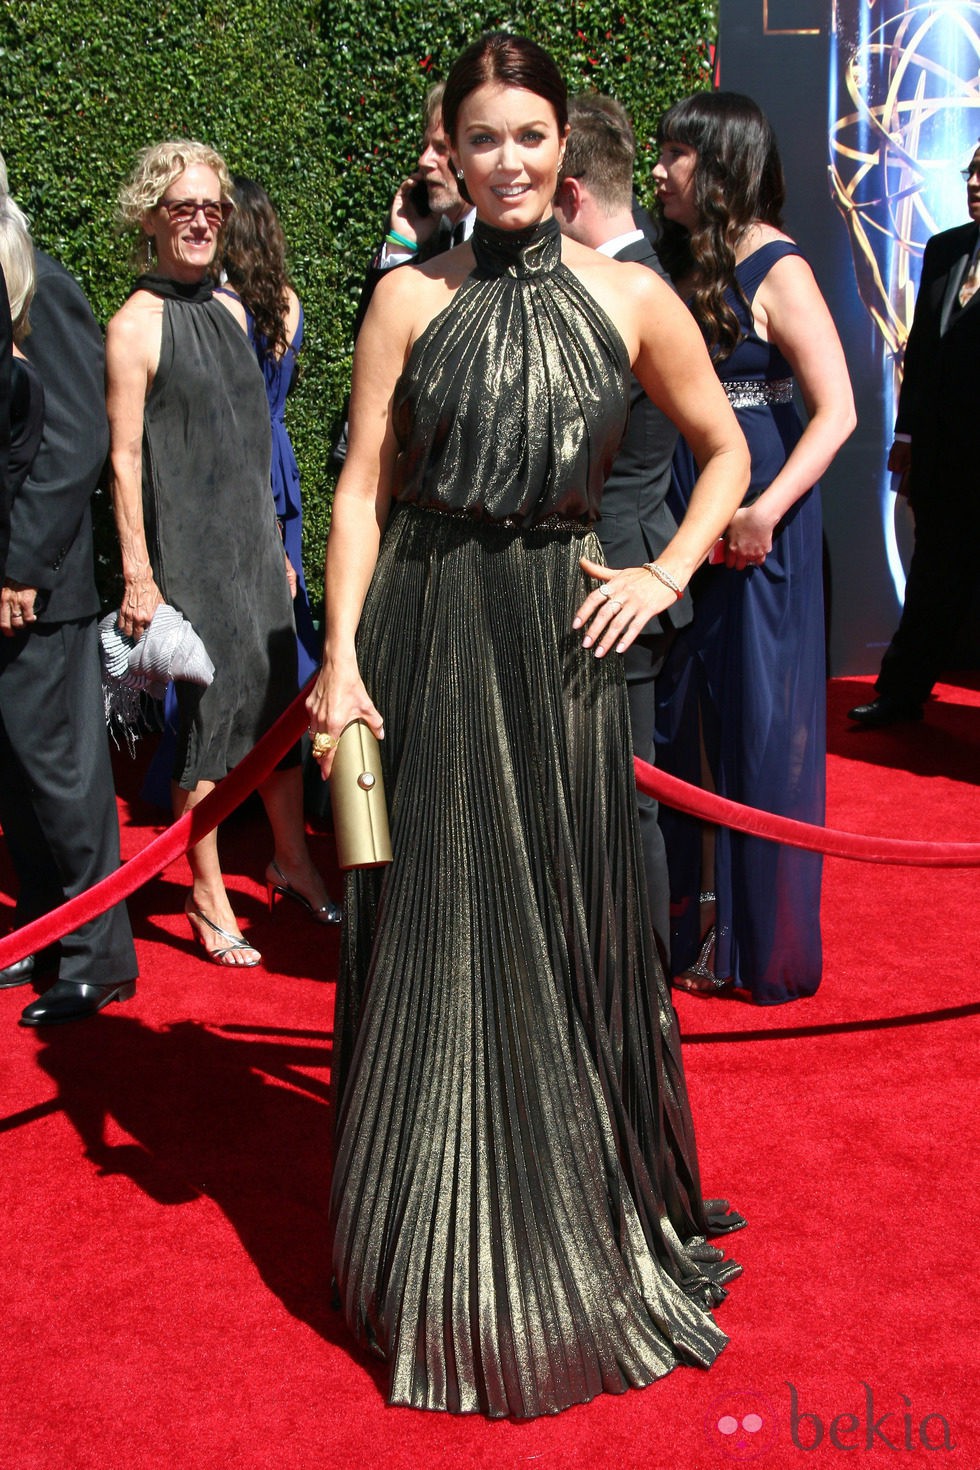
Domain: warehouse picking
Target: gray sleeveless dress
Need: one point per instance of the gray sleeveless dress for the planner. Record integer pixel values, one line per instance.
(211, 530)
(517, 1213)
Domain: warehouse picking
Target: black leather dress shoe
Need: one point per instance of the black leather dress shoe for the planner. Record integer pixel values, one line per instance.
(70, 1000)
(884, 711)
(18, 973)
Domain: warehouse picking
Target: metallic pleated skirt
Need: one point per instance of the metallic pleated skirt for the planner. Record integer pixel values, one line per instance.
(517, 1215)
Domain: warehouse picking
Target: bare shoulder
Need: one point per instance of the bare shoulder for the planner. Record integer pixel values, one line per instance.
(409, 297)
(756, 236)
(787, 274)
(135, 330)
(766, 234)
(233, 306)
(788, 306)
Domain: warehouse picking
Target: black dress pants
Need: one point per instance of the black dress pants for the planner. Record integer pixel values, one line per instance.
(57, 801)
(642, 662)
(943, 581)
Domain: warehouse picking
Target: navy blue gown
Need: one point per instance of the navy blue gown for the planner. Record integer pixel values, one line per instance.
(278, 374)
(751, 667)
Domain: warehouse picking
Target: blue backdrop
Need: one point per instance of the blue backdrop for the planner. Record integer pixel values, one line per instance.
(876, 108)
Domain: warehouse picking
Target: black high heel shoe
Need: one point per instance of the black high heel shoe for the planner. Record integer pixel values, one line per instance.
(276, 882)
(700, 978)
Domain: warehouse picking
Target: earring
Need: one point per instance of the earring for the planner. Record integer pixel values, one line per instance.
(149, 250)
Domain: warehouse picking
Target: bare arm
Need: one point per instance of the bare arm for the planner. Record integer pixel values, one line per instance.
(292, 315)
(672, 363)
(360, 509)
(132, 353)
(793, 315)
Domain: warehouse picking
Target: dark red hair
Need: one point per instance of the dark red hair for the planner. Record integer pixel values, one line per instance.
(512, 61)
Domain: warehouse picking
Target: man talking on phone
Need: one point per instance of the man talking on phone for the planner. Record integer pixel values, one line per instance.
(428, 213)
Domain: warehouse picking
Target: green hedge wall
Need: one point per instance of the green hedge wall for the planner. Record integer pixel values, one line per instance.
(321, 102)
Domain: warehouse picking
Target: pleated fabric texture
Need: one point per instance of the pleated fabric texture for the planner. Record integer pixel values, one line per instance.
(515, 398)
(517, 1213)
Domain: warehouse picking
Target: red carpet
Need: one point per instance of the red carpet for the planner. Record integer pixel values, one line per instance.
(165, 1166)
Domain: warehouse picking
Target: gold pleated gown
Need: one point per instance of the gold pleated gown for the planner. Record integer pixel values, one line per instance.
(517, 1214)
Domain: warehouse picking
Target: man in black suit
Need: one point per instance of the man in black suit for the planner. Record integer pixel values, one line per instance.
(6, 347)
(934, 446)
(594, 206)
(57, 803)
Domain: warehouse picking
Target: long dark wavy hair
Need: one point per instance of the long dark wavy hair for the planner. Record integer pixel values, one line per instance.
(738, 180)
(254, 260)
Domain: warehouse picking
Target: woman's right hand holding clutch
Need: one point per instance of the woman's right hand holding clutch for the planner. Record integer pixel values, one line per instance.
(338, 697)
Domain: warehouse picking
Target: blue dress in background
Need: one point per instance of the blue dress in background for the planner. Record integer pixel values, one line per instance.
(278, 374)
(752, 665)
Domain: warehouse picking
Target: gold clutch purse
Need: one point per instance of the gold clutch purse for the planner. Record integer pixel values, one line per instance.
(357, 795)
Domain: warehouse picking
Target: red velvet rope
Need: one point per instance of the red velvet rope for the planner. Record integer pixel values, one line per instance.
(266, 755)
(718, 809)
(261, 760)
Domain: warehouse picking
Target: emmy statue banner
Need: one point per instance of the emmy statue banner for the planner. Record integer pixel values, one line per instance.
(876, 107)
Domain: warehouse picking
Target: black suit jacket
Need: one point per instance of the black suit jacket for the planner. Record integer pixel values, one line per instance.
(940, 394)
(636, 522)
(51, 525)
(5, 351)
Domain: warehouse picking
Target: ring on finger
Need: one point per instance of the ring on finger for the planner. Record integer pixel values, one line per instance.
(614, 603)
(604, 591)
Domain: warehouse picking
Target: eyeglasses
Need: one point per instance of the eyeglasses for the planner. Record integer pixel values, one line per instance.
(184, 211)
(968, 173)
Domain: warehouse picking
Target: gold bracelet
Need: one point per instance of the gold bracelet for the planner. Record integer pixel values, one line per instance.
(662, 575)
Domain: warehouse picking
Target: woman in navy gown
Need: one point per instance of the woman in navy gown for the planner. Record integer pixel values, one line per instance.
(254, 262)
(742, 700)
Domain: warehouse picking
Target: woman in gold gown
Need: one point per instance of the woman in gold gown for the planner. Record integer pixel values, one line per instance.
(517, 1214)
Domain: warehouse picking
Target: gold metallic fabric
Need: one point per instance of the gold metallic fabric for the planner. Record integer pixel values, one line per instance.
(517, 1214)
(533, 426)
